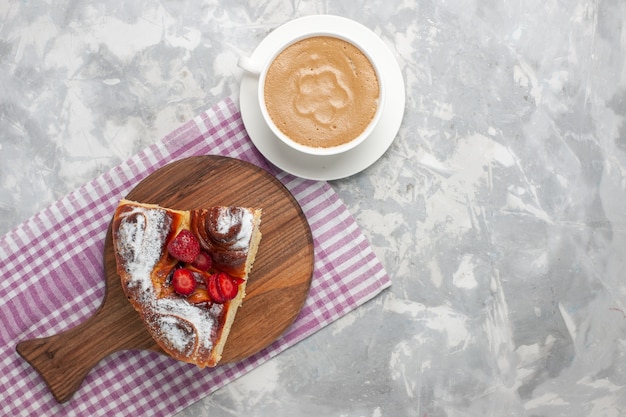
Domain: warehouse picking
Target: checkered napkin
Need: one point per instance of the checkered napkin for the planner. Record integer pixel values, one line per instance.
(52, 279)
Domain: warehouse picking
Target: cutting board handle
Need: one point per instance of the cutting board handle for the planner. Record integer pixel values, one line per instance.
(58, 360)
(64, 359)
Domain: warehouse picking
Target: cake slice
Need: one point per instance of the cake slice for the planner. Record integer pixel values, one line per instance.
(185, 272)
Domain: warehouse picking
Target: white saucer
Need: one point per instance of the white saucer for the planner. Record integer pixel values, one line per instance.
(328, 167)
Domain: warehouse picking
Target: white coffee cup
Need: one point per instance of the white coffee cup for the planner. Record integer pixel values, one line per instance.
(366, 125)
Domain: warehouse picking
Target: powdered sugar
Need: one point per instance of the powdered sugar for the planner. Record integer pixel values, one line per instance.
(141, 235)
(176, 333)
(229, 219)
(141, 241)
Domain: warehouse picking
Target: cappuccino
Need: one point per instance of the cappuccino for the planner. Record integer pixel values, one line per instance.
(321, 92)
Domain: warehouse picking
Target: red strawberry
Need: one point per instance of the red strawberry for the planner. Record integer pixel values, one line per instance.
(184, 247)
(183, 282)
(203, 261)
(227, 286)
(214, 293)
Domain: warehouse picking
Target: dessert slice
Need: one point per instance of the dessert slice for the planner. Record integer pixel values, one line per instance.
(185, 272)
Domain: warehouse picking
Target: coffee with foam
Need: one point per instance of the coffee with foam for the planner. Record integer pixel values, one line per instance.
(321, 92)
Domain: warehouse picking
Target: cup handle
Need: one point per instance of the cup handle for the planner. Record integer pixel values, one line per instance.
(249, 65)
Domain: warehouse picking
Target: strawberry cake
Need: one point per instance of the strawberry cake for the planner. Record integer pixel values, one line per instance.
(185, 272)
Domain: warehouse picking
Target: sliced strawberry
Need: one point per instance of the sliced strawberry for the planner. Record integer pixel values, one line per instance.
(214, 293)
(227, 286)
(203, 261)
(184, 247)
(183, 282)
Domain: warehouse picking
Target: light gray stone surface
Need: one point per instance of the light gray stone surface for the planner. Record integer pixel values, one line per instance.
(498, 211)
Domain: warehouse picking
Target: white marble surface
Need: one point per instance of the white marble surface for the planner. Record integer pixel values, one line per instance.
(499, 210)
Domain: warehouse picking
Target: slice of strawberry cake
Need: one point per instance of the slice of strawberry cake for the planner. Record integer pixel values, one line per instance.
(185, 272)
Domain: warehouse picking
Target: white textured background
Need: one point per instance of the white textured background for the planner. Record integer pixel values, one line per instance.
(498, 211)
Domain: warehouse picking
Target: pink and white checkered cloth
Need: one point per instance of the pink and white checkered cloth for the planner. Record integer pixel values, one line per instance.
(52, 279)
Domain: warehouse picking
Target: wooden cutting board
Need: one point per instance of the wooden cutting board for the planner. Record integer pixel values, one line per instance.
(277, 288)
